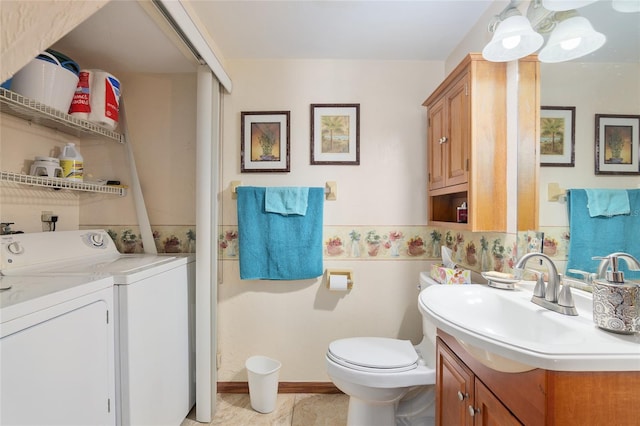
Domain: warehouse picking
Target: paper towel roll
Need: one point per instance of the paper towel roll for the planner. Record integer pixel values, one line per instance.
(338, 283)
(105, 99)
(80, 105)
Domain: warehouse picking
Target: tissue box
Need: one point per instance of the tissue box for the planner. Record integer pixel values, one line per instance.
(446, 275)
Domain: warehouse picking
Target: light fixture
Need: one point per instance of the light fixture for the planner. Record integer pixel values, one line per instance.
(514, 38)
(626, 6)
(561, 5)
(572, 38)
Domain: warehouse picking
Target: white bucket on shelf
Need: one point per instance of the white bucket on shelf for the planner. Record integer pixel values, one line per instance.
(47, 81)
(263, 382)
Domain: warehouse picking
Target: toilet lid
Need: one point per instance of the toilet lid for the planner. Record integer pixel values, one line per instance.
(374, 353)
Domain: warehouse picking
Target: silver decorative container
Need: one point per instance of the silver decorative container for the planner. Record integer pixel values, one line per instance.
(616, 306)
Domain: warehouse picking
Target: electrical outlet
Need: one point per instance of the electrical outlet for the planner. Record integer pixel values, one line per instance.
(46, 216)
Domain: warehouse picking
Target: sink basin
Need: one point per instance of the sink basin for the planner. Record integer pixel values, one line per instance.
(507, 332)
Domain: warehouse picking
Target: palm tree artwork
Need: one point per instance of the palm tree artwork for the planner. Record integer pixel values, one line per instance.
(265, 139)
(551, 136)
(335, 133)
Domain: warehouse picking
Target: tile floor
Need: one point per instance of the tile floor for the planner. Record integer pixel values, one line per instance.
(302, 409)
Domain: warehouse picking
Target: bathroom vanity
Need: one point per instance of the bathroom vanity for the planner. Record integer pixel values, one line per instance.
(470, 393)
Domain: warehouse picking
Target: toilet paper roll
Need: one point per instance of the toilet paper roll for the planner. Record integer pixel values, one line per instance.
(338, 283)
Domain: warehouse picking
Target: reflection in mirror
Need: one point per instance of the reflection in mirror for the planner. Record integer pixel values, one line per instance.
(605, 82)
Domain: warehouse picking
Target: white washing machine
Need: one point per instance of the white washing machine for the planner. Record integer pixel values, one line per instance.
(57, 350)
(154, 299)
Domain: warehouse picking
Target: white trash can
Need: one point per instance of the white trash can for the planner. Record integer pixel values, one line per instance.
(263, 382)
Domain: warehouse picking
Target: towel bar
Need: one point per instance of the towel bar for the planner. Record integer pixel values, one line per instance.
(330, 190)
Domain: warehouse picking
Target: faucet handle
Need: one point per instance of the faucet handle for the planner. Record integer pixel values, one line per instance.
(539, 289)
(565, 298)
(588, 277)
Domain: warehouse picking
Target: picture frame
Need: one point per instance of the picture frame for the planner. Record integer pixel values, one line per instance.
(557, 136)
(264, 141)
(617, 144)
(335, 134)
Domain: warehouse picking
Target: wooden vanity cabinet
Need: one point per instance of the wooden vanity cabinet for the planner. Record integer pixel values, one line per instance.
(467, 141)
(469, 393)
(462, 399)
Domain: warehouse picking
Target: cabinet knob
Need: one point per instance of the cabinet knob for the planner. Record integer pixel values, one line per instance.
(473, 410)
(442, 140)
(462, 396)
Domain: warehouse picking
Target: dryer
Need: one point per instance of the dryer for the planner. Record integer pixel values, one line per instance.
(154, 299)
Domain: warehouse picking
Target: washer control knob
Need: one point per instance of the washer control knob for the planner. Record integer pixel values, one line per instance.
(15, 248)
(96, 240)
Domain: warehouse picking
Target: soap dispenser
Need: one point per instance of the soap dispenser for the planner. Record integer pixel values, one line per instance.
(616, 302)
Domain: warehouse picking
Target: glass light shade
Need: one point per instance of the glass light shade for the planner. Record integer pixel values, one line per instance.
(571, 39)
(626, 6)
(562, 5)
(514, 39)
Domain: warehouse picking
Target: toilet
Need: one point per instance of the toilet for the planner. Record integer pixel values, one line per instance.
(389, 381)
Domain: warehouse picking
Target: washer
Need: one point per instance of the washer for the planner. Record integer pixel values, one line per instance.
(154, 298)
(57, 350)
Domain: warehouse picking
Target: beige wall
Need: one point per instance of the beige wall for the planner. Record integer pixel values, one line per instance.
(295, 321)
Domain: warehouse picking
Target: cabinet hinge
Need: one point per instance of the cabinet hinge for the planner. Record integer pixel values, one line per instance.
(466, 89)
(467, 165)
(107, 317)
(108, 405)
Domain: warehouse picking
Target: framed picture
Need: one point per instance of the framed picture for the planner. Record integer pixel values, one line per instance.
(264, 142)
(617, 144)
(557, 136)
(335, 134)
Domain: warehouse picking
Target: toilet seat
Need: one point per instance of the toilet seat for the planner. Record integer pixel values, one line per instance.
(374, 354)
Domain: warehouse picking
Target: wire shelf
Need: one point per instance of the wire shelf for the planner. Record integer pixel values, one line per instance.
(17, 105)
(57, 183)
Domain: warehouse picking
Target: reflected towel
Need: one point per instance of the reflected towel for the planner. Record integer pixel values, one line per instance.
(607, 202)
(601, 235)
(286, 200)
(277, 247)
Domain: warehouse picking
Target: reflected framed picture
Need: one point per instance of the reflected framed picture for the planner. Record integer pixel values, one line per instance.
(335, 134)
(264, 139)
(557, 136)
(617, 144)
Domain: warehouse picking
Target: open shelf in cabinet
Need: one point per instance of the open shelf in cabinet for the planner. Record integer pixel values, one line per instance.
(442, 208)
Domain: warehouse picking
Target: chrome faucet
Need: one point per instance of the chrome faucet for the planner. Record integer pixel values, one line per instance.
(551, 297)
(612, 260)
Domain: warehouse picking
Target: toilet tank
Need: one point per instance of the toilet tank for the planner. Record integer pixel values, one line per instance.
(427, 346)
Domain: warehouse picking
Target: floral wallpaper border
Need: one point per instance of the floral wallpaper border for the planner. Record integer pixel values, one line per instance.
(168, 239)
(475, 251)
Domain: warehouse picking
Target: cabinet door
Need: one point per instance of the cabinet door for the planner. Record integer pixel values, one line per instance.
(489, 411)
(454, 387)
(435, 147)
(458, 107)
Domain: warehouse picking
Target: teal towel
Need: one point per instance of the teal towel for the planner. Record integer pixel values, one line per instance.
(607, 202)
(277, 247)
(601, 235)
(286, 200)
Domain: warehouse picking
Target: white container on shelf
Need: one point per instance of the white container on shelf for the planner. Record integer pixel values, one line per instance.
(71, 163)
(47, 81)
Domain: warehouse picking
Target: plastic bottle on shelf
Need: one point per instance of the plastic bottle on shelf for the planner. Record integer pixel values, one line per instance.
(71, 163)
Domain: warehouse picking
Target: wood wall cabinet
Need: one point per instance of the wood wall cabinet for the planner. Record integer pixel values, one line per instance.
(467, 143)
(469, 393)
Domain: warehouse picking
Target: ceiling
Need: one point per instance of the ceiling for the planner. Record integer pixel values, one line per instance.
(123, 35)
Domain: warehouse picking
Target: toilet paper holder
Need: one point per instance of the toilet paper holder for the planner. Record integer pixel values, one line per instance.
(339, 272)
